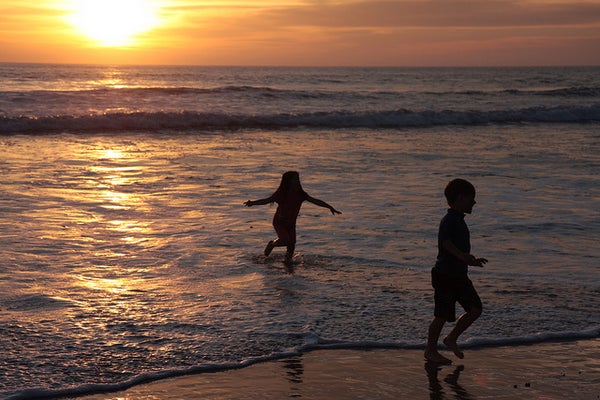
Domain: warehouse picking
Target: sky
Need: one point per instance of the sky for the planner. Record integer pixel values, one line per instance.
(302, 32)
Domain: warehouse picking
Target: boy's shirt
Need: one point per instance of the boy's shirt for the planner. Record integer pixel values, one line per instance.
(454, 228)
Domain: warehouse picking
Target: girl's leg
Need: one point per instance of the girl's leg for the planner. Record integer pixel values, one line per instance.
(274, 243)
(269, 247)
(285, 238)
(289, 253)
(291, 245)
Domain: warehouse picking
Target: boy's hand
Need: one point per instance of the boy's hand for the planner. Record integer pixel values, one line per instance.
(481, 262)
(249, 203)
(334, 211)
(476, 262)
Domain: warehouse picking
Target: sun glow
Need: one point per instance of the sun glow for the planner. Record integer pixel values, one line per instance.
(113, 23)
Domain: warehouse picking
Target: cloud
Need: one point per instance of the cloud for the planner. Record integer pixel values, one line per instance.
(26, 19)
(332, 32)
(216, 19)
(436, 13)
(380, 32)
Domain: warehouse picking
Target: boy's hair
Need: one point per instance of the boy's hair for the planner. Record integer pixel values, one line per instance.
(458, 187)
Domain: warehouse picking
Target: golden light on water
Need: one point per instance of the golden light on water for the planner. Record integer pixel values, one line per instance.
(113, 23)
(115, 200)
(137, 233)
(110, 154)
(122, 229)
(106, 213)
(114, 173)
(112, 285)
(116, 176)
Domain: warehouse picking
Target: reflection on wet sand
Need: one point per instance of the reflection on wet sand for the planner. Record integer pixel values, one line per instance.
(436, 389)
(293, 369)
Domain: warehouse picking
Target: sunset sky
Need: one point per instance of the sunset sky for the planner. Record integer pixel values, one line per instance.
(302, 32)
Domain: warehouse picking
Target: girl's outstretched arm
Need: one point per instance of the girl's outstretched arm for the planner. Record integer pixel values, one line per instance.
(260, 202)
(321, 203)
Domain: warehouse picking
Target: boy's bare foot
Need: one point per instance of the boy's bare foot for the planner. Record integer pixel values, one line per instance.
(436, 358)
(269, 248)
(454, 347)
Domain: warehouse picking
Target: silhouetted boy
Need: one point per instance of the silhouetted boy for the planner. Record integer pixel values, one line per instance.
(449, 276)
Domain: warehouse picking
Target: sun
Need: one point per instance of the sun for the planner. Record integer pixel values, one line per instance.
(113, 23)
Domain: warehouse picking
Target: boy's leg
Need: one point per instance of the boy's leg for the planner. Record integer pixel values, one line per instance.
(443, 311)
(462, 324)
(471, 302)
(431, 352)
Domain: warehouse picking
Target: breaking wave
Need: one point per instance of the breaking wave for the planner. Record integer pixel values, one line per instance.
(205, 121)
(312, 342)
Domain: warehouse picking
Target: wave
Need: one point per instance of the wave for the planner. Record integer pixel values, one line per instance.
(266, 91)
(571, 92)
(578, 91)
(312, 343)
(575, 91)
(201, 121)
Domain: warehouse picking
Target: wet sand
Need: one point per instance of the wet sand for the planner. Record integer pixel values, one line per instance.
(557, 370)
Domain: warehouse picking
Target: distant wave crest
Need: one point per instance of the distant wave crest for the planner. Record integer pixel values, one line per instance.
(49, 95)
(571, 92)
(575, 91)
(200, 121)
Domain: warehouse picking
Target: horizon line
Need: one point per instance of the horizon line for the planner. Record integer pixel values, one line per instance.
(300, 66)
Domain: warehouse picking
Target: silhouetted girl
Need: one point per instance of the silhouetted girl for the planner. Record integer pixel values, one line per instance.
(289, 198)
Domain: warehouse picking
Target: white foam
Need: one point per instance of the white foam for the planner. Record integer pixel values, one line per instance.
(313, 342)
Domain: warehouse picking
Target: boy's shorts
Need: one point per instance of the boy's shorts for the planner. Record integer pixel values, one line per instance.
(447, 292)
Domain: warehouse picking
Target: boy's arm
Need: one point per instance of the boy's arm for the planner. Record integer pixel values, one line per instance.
(321, 203)
(468, 258)
(260, 202)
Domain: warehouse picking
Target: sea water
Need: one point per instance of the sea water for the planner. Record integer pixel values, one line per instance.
(127, 254)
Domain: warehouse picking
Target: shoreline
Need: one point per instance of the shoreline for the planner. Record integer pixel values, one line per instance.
(551, 370)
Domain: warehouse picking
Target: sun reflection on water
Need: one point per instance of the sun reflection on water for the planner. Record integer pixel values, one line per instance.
(119, 282)
(137, 233)
(112, 285)
(111, 154)
(116, 194)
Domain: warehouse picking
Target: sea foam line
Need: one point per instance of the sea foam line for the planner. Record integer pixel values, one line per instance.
(312, 343)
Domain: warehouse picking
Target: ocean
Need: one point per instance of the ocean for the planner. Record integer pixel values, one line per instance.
(128, 256)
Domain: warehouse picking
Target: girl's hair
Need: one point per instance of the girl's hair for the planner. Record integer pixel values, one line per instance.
(289, 180)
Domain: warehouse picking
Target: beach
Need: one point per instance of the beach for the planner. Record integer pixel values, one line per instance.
(568, 370)
(129, 256)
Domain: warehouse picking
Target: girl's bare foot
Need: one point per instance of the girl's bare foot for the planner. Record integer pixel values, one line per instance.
(435, 357)
(288, 259)
(454, 347)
